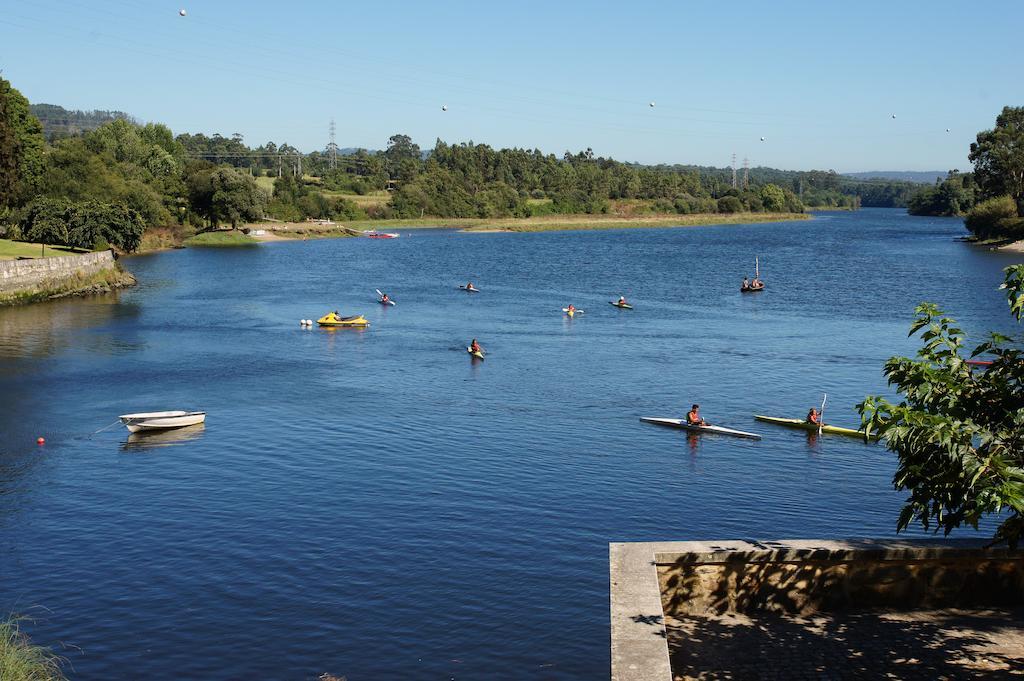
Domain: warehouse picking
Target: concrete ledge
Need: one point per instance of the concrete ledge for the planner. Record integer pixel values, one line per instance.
(652, 582)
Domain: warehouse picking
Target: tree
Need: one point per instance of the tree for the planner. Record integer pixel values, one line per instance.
(998, 157)
(401, 147)
(84, 224)
(773, 198)
(225, 195)
(959, 431)
(996, 217)
(730, 204)
(21, 147)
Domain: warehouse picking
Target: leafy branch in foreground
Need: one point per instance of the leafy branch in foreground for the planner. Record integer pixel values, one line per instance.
(959, 431)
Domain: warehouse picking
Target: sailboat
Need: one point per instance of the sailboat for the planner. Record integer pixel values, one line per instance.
(757, 284)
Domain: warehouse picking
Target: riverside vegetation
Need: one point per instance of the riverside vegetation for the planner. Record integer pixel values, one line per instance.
(991, 199)
(100, 179)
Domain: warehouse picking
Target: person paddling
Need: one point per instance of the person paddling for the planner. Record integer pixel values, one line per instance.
(469, 286)
(384, 298)
(814, 417)
(571, 309)
(746, 283)
(693, 417)
(475, 347)
(622, 301)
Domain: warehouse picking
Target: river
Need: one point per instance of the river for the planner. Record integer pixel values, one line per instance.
(377, 505)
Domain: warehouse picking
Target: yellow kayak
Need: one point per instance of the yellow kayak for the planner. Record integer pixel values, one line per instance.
(477, 354)
(331, 319)
(812, 427)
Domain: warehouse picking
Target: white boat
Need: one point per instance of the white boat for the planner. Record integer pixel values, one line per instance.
(717, 430)
(161, 420)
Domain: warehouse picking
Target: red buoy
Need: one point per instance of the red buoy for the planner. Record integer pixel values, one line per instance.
(40, 440)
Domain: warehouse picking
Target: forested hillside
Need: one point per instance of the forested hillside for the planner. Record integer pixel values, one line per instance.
(60, 122)
(149, 177)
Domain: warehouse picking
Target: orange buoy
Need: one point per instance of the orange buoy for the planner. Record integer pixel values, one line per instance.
(40, 440)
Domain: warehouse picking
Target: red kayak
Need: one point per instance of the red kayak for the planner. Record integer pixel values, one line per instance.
(980, 362)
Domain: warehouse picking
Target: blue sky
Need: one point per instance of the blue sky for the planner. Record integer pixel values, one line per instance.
(819, 81)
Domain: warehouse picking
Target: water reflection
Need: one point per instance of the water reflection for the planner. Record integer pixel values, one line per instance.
(162, 438)
(46, 329)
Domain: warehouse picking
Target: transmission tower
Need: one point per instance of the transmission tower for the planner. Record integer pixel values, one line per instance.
(332, 148)
(746, 173)
(733, 166)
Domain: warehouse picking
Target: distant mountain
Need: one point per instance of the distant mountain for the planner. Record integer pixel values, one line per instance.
(348, 151)
(60, 122)
(923, 176)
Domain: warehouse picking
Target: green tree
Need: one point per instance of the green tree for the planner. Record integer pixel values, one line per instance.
(773, 198)
(730, 204)
(959, 431)
(998, 157)
(995, 217)
(225, 195)
(82, 224)
(22, 146)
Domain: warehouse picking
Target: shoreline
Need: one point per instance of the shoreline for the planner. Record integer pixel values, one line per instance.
(297, 231)
(602, 222)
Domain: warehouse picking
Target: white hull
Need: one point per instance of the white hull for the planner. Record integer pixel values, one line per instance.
(161, 420)
(717, 430)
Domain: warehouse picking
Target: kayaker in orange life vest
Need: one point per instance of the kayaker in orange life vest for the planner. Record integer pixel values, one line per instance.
(622, 301)
(693, 418)
(814, 417)
(571, 309)
(475, 347)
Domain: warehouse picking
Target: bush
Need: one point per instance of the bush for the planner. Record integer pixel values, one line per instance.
(730, 204)
(996, 217)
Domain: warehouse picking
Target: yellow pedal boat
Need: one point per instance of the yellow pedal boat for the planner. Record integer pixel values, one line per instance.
(331, 319)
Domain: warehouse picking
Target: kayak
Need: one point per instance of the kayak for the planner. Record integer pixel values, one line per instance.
(751, 289)
(471, 290)
(477, 354)
(331, 319)
(716, 430)
(621, 306)
(381, 300)
(811, 427)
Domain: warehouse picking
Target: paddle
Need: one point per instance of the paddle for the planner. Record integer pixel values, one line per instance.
(821, 414)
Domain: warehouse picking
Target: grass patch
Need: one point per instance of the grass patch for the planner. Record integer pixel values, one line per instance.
(20, 660)
(371, 199)
(103, 281)
(222, 237)
(9, 250)
(266, 184)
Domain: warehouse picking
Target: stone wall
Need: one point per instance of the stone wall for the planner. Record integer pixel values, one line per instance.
(20, 275)
(806, 577)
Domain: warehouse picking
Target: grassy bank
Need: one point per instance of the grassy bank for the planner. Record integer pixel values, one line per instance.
(103, 281)
(22, 661)
(9, 250)
(589, 222)
(229, 237)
